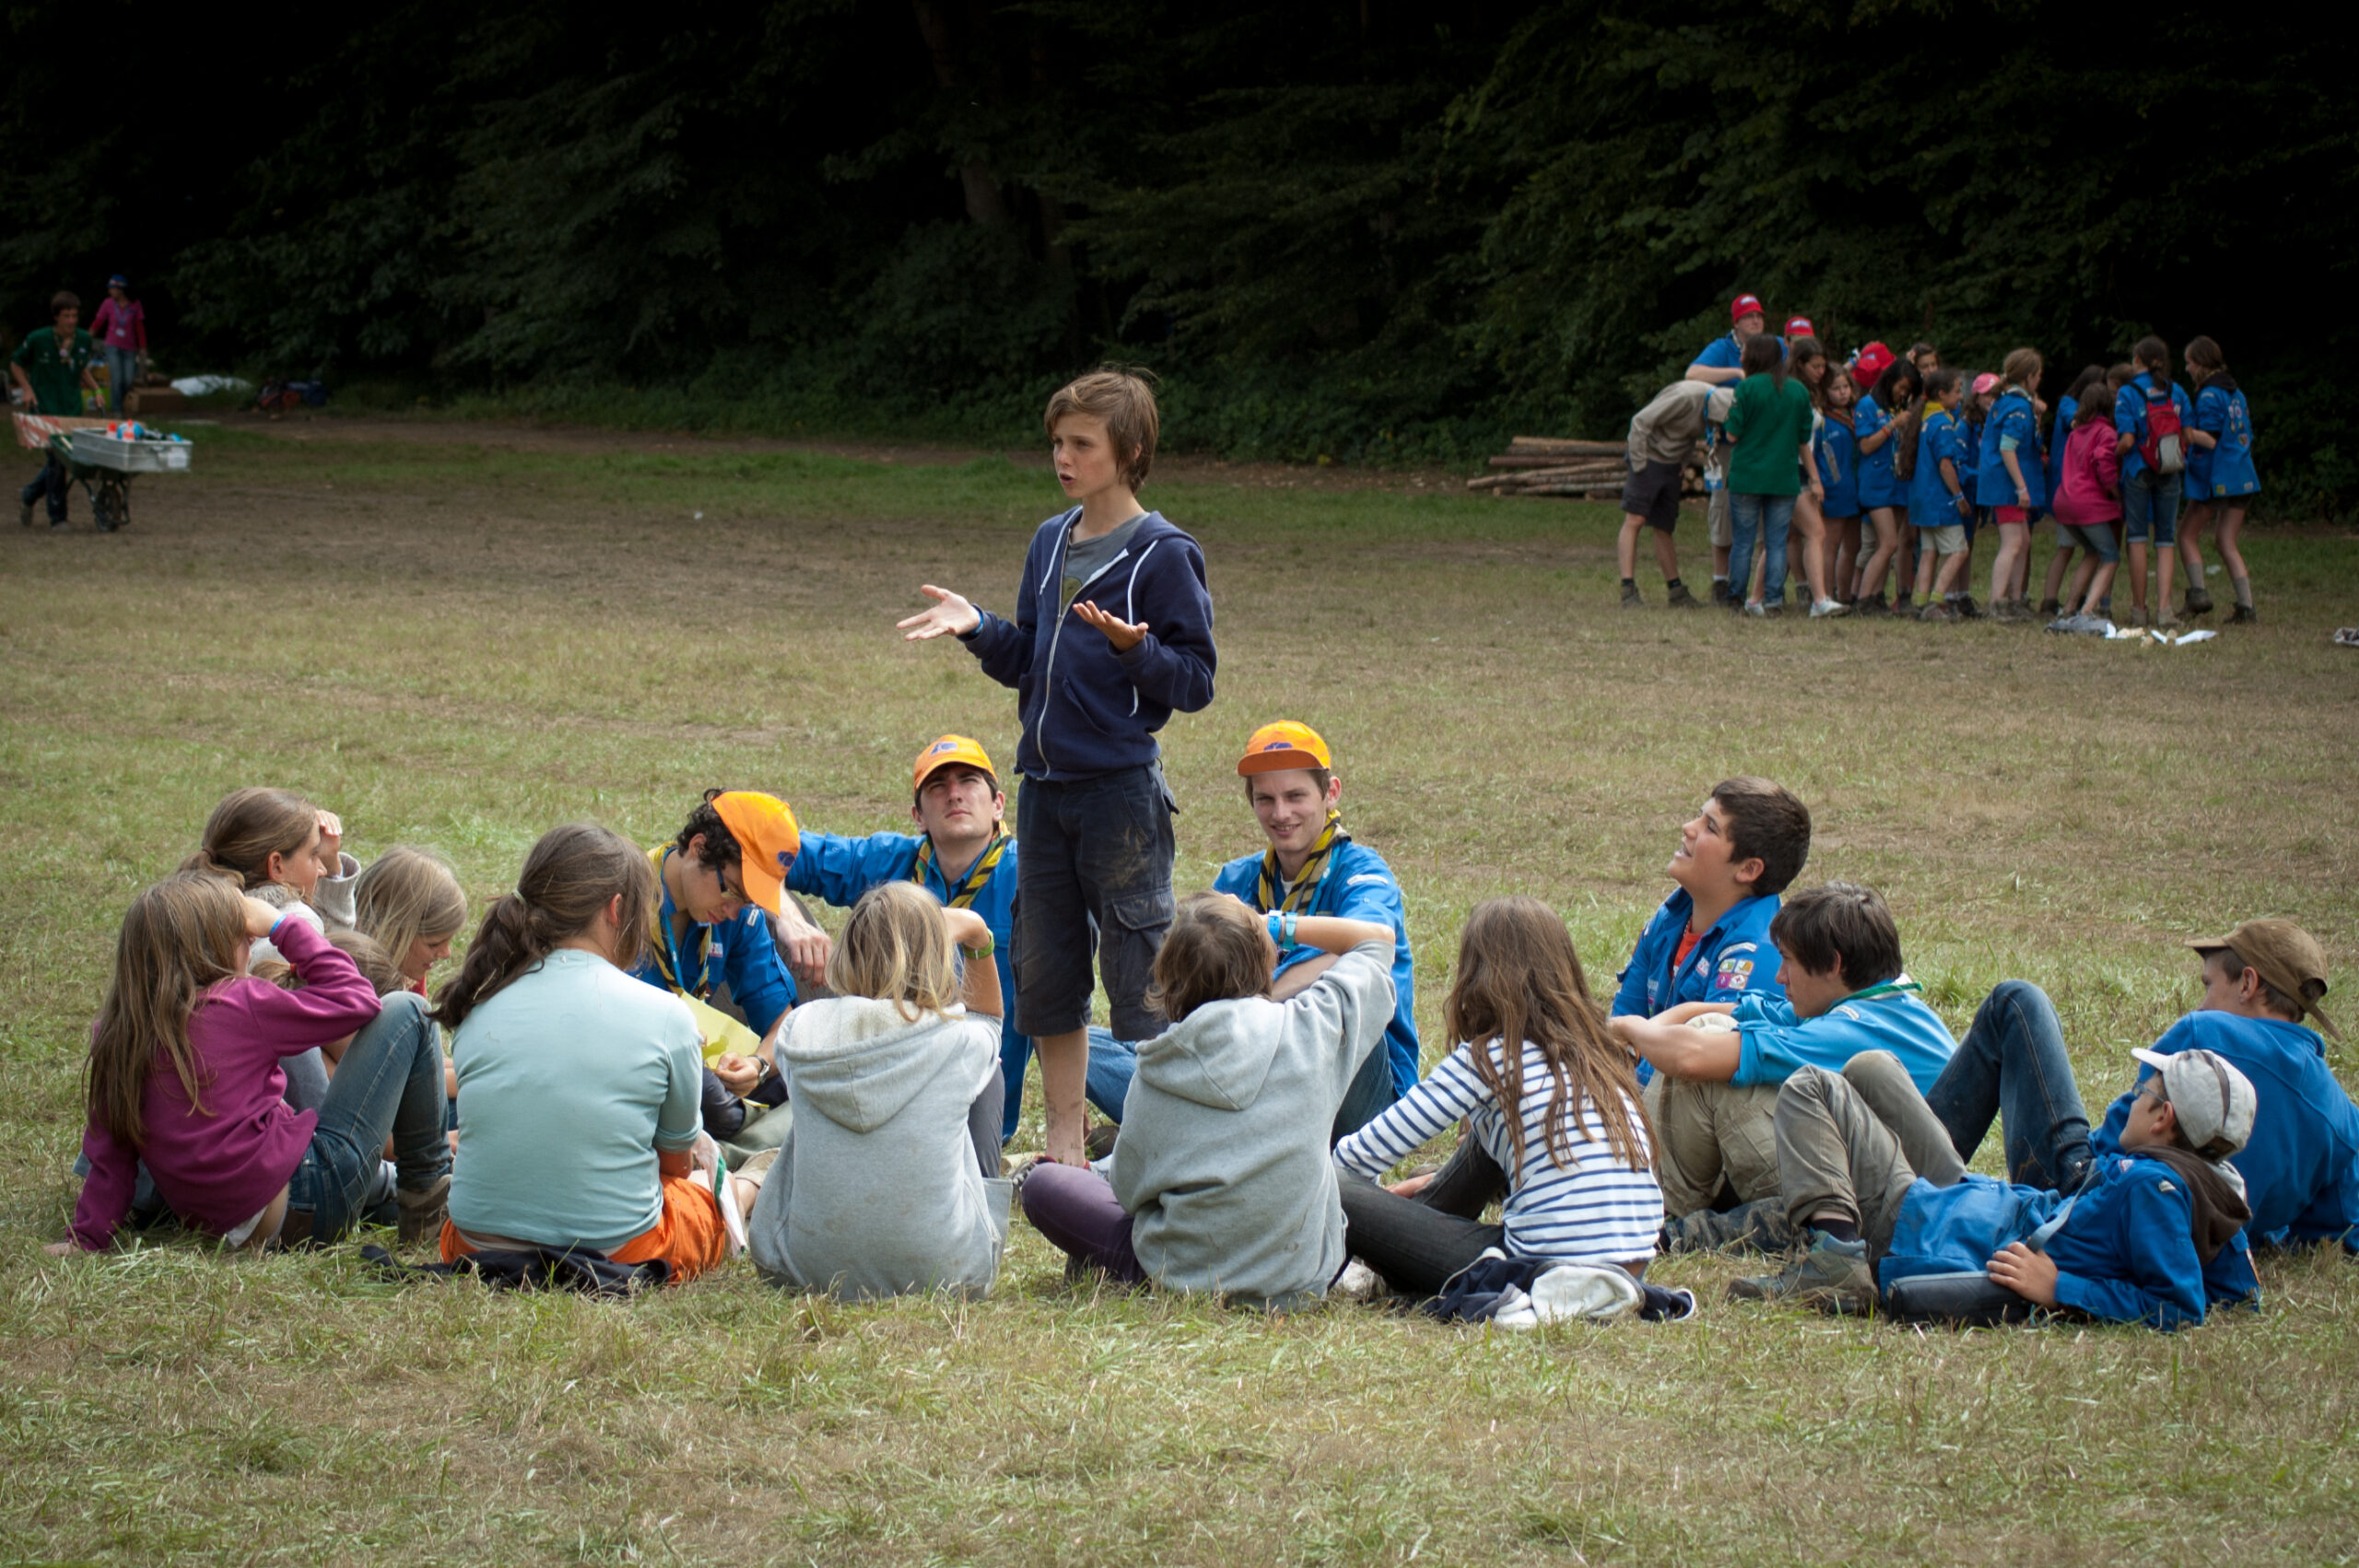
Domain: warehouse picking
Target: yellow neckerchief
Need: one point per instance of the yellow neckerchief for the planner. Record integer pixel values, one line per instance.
(1314, 868)
(666, 951)
(978, 874)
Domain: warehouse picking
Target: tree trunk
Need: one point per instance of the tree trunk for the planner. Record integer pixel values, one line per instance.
(984, 202)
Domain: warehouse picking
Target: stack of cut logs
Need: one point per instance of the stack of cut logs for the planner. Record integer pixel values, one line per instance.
(1550, 466)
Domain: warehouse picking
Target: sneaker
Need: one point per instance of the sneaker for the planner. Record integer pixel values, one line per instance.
(1758, 1227)
(2198, 600)
(2244, 615)
(1832, 1276)
(1828, 608)
(1630, 599)
(422, 1213)
(1680, 599)
(1937, 613)
(1757, 611)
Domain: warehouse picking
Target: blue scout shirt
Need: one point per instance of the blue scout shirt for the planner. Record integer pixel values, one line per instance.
(740, 957)
(1889, 1017)
(1877, 486)
(1724, 353)
(1357, 885)
(1838, 469)
(2300, 1167)
(1931, 505)
(2010, 419)
(2129, 418)
(1970, 445)
(2125, 1251)
(2058, 432)
(838, 870)
(1733, 960)
(2226, 469)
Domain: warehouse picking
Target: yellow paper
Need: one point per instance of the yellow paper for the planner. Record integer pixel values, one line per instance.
(721, 1033)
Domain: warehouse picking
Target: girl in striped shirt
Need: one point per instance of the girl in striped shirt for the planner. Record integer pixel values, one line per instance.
(1555, 1125)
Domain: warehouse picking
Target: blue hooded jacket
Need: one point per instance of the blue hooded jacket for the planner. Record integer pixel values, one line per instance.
(1731, 961)
(1086, 710)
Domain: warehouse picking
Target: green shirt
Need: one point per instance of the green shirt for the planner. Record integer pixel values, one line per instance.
(1770, 423)
(569, 1080)
(57, 380)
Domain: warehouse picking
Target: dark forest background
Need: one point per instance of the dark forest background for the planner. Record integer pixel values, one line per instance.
(1361, 230)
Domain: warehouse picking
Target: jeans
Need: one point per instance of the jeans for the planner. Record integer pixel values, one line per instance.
(123, 373)
(1766, 517)
(53, 482)
(1419, 1243)
(389, 1082)
(1112, 1064)
(1094, 877)
(2149, 506)
(1854, 1144)
(2011, 1065)
(1074, 1208)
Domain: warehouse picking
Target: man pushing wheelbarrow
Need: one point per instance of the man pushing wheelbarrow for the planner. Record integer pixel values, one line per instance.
(50, 368)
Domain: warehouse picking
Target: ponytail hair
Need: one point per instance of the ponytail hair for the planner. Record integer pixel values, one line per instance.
(180, 938)
(2210, 361)
(2021, 370)
(568, 880)
(247, 828)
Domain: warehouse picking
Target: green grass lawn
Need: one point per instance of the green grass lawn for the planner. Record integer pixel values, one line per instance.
(458, 636)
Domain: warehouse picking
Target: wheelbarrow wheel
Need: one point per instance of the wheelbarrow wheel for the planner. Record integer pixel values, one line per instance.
(111, 508)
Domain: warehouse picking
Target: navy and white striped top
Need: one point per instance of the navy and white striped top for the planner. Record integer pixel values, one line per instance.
(1598, 1212)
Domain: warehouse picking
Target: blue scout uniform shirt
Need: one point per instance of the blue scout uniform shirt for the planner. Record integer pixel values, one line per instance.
(2010, 418)
(1724, 353)
(1877, 486)
(1838, 469)
(2300, 1167)
(1731, 961)
(2125, 1251)
(838, 870)
(740, 955)
(2225, 469)
(1969, 446)
(1357, 885)
(2058, 433)
(1930, 502)
(1889, 1017)
(2130, 417)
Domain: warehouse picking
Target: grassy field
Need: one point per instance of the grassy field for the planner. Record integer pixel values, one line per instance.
(459, 635)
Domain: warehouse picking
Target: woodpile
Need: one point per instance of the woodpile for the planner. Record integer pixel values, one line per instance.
(1552, 465)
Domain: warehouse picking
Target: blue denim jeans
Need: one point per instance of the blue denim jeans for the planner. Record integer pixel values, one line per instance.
(2011, 1066)
(2150, 506)
(1092, 879)
(1112, 1063)
(122, 372)
(1767, 519)
(53, 482)
(389, 1082)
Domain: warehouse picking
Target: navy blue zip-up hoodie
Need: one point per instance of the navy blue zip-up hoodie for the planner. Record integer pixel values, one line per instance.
(1086, 709)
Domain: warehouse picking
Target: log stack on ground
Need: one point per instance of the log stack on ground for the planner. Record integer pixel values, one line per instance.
(1553, 465)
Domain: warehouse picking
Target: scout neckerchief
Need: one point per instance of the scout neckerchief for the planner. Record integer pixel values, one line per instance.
(1899, 985)
(1314, 869)
(963, 896)
(667, 953)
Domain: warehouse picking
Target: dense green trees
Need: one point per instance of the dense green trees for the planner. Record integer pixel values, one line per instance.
(1358, 227)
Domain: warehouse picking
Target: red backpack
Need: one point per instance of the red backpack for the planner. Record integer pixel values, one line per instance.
(2163, 448)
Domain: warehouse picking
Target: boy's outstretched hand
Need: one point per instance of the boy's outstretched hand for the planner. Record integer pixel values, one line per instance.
(1120, 632)
(2031, 1275)
(951, 615)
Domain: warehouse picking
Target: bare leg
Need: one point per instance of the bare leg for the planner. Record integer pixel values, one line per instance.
(2056, 565)
(2137, 575)
(1880, 559)
(1811, 523)
(1064, 1074)
(1666, 556)
(1625, 550)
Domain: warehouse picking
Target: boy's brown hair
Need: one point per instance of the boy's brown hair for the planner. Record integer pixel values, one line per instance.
(1843, 921)
(1217, 949)
(1768, 821)
(1126, 402)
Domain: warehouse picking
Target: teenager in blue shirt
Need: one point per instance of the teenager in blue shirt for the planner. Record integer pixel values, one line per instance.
(1939, 506)
(1838, 470)
(2010, 475)
(2150, 500)
(2059, 432)
(2221, 478)
(961, 852)
(1880, 424)
(1722, 361)
(1844, 992)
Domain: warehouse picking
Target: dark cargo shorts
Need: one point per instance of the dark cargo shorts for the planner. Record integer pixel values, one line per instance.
(1093, 881)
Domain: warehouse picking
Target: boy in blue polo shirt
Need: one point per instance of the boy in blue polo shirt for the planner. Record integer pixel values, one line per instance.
(1722, 361)
(961, 852)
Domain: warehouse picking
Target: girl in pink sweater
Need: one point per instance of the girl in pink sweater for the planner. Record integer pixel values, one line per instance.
(2087, 502)
(184, 1075)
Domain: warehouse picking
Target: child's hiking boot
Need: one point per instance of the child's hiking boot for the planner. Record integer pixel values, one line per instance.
(2244, 615)
(1904, 604)
(1758, 1227)
(1721, 590)
(2012, 611)
(422, 1213)
(1630, 599)
(2165, 620)
(1873, 604)
(1832, 1276)
(2198, 600)
(1967, 610)
(2137, 616)
(1101, 1140)
(2049, 609)
(1680, 599)
(1937, 611)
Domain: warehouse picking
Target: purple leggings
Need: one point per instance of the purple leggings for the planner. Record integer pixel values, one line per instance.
(1074, 1208)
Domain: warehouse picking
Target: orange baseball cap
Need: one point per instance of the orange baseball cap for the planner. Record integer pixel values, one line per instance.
(1275, 748)
(767, 838)
(949, 749)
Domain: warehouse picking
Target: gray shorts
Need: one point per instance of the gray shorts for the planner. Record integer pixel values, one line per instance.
(1716, 516)
(1947, 540)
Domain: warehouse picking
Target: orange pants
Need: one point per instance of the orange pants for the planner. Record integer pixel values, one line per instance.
(690, 1237)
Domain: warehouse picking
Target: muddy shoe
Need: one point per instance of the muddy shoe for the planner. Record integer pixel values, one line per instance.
(1100, 1141)
(1937, 613)
(1873, 605)
(1758, 1227)
(2244, 615)
(2049, 609)
(422, 1213)
(1720, 593)
(1680, 599)
(2137, 617)
(2198, 601)
(1832, 1276)
(2165, 621)
(1967, 608)
(1630, 599)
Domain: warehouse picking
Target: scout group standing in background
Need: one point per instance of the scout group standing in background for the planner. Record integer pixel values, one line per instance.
(1885, 466)
(649, 1060)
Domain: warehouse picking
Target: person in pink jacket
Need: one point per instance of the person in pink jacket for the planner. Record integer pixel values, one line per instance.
(185, 1076)
(121, 327)
(2088, 502)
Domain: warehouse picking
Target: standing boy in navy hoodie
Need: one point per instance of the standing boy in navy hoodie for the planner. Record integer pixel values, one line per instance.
(1112, 634)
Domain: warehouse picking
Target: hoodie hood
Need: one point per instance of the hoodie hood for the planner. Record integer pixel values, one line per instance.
(1220, 1056)
(858, 1060)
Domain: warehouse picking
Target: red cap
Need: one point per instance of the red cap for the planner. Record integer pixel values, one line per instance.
(1744, 305)
(1799, 326)
(1869, 364)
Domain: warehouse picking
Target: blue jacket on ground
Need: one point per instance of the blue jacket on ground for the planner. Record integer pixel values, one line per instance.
(2125, 1252)
(2300, 1167)
(1359, 885)
(1889, 1017)
(2010, 419)
(838, 870)
(741, 955)
(1733, 960)
(1086, 710)
(2225, 471)
(2130, 417)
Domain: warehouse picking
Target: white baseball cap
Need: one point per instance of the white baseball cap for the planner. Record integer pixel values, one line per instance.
(2214, 1102)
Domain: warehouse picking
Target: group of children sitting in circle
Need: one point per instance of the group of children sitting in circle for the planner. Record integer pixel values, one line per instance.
(1886, 466)
(653, 1054)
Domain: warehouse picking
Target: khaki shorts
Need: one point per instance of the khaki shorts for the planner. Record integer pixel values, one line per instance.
(1716, 516)
(1947, 540)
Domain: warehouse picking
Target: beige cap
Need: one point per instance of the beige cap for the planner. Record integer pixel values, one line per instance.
(2285, 955)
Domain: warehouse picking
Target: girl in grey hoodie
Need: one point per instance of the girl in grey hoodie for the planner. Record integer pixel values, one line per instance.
(888, 1181)
(1221, 1180)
